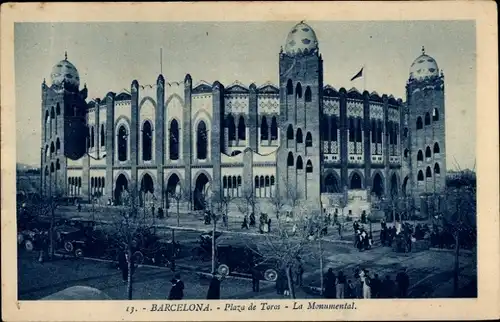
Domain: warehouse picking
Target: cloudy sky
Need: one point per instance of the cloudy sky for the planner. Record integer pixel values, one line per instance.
(110, 55)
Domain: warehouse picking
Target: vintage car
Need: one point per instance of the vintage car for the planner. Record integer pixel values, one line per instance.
(80, 239)
(242, 255)
(203, 250)
(149, 248)
(30, 234)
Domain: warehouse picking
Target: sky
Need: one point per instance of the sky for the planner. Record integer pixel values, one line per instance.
(109, 56)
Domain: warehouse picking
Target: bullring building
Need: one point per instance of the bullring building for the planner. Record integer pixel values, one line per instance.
(299, 139)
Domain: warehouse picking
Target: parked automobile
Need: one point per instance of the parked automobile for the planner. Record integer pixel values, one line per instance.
(241, 255)
(81, 238)
(203, 250)
(30, 234)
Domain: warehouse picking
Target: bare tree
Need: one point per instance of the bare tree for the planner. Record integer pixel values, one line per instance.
(178, 195)
(216, 205)
(128, 226)
(460, 214)
(225, 202)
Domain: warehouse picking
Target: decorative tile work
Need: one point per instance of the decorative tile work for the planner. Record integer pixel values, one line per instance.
(331, 106)
(351, 147)
(354, 108)
(376, 111)
(334, 147)
(268, 105)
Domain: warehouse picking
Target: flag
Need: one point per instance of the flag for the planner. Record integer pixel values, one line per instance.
(359, 74)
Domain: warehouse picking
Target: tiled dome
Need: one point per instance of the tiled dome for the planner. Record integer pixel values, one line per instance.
(424, 66)
(65, 71)
(301, 40)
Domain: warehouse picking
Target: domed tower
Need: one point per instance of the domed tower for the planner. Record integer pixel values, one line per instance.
(424, 143)
(64, 128)
(301, 84)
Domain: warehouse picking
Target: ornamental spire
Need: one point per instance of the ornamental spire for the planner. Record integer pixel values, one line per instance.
(65, 55)
(423, 50)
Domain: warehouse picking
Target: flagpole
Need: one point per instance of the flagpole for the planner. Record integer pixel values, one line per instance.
(364, 77)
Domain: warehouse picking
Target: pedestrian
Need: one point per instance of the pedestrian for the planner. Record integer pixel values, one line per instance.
(252, 220)
(340, 285)
(160, 213)
(123, 265)
(281, 282)
(376, 285)
(214, 287)
(153, 211)
(256, 276)
(350, 290)
(329, 284)
(79, 207)
(403, 282)
(387, 290)
(366, 283)
(244, 224)
(299, 271)
(269, 225)
(177, 290)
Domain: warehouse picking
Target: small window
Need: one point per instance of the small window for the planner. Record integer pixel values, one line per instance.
(420, 176)
(309, 140)
(290, 159)
(436, 148)
(289, 132)
(308, 94)
(309, 167)
(419, 123)
(428, 152)
(300, 139)
(289, 87)
(300, 165)
(420, 155)
(435, 115)
(298, 90)
(406, 153)
(428, 172)
(437, 169)
(427, 119)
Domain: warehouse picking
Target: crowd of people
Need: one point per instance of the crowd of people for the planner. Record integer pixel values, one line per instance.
(364, 285)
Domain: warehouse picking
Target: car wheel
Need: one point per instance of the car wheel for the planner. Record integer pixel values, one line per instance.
(28, 245)
(79, 252)
(223, 269)
(68, 246)
(270, 275)
(138, 258)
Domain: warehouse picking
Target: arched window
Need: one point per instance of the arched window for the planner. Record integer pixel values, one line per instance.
(58, 145)
(103, 138)
(300, 164)
(427, 119)
(231, 128)
(309, 167)
(242, 129)
(331, 184)
(289, 87)
(435, 115)
(52, 114)
(380, 130)
(122, 143)
(201, 141)
(428, 172)
(309, 139)
(47, 170)
(173, 140)
(299, 137)
(264, 129)
(46, 152)
(419, 123)
(274, 129)
(52, 167)
(428, 152)
(103, 182)
(58, 165)
(52, 149)
(298, 91)
(46, 122)
(406, 153)
(289, 132)
(147, 141)
(420, 155)
(289, 161)
(437, 169)
(58, 109)
(262, 185)
(436, 148)
(420, 176)
(256, 182)
(308, 94)
(92, 137)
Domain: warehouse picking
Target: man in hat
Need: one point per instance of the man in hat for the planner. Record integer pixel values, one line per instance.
(177, 290)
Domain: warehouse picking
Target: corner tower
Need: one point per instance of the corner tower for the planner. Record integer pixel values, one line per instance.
(64, 130)
(424, 135)
(301, 84)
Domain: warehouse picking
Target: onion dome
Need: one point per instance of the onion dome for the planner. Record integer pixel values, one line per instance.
(301, 40)
(66, 72)
(423, 67)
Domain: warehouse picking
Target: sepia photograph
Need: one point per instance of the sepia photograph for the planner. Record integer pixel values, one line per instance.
(329, 161)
